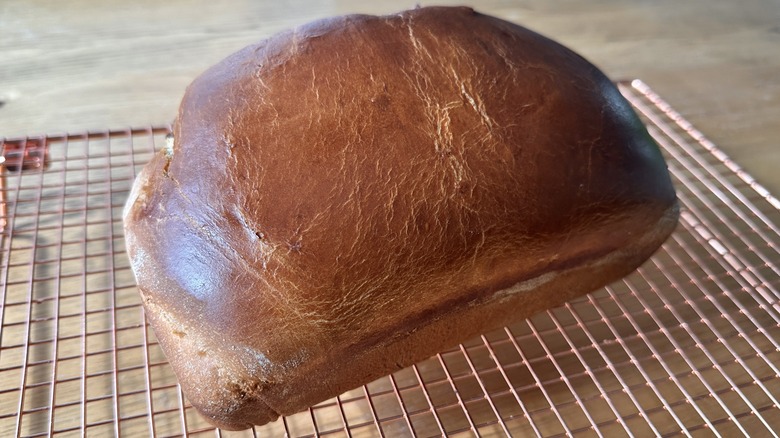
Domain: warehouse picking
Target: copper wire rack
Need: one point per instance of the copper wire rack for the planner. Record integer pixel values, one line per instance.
(687, 344)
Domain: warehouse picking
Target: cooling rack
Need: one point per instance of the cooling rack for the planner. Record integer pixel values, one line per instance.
(687, 344)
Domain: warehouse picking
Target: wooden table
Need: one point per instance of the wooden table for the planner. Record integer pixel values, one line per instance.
(93, 65)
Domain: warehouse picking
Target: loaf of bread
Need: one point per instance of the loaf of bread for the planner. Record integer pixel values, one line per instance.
(357, 194)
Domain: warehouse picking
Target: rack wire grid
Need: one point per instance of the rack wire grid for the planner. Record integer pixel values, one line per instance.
(687, 344)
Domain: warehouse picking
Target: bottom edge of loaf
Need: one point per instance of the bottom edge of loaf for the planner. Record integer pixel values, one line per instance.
(502, 308)
(211, 394)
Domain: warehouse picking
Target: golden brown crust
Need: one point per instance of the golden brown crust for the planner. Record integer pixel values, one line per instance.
(361, 183)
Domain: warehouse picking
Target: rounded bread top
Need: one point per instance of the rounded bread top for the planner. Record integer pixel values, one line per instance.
(344, 173)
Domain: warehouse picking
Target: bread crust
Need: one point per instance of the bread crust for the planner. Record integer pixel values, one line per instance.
(352, 196)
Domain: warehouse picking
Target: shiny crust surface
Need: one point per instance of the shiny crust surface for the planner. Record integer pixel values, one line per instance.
(344, 187)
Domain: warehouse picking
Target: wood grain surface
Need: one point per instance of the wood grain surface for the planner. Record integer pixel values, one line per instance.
(93, 65)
